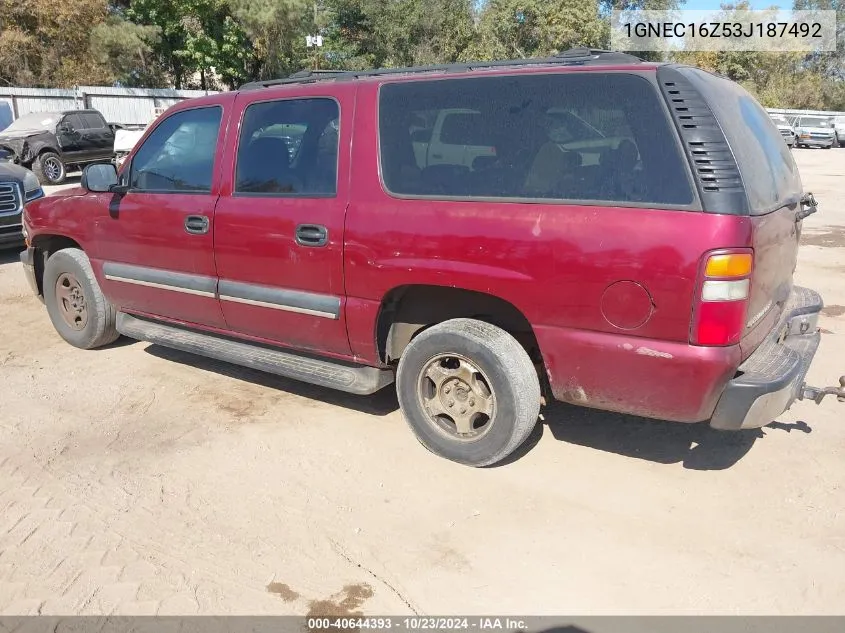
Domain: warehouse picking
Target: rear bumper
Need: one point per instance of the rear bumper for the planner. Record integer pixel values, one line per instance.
(771, 379)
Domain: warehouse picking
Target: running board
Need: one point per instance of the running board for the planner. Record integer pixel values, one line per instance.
(358, 379)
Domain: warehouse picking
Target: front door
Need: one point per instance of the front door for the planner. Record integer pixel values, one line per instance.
(280, 218)
(156, 243)
(69, 136)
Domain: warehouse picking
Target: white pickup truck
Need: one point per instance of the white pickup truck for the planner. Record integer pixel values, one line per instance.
(839, 128)
(459, 136)
(126, 139)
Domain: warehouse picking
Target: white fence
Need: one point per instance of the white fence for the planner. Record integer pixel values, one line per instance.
(792, 113)
(128, 106)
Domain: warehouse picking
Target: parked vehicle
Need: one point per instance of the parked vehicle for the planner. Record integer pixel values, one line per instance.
(126, 138)
(814, 131)
(651, 276)
(18, 186)
(53, 143)
(839, 130)
(6, 117)
(785, 128)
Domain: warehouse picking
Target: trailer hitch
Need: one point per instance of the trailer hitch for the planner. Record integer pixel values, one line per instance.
(817, 394)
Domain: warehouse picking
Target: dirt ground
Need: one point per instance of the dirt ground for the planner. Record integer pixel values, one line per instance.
(140, 480)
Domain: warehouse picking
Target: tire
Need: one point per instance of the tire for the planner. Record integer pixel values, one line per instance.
(49, 168)
(95, 323)
(504, 372)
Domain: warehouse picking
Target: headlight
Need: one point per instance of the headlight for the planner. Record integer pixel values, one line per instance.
(31, 186)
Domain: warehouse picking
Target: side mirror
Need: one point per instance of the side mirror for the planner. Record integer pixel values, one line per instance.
(101, 178)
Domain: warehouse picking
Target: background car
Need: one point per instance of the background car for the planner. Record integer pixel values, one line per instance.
(52, 143)
(814, 131)
(785, 129)
(6, 116)
(18, 186)
(839, 130)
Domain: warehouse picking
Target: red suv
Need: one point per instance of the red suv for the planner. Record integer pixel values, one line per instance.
(589, 227)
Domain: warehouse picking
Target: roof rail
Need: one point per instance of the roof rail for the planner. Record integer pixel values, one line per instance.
(574, 56)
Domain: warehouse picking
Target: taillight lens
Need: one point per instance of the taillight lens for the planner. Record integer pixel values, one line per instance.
(723, 291)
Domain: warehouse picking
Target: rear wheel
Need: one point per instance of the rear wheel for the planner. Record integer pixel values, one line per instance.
(469, 391)
(49, 168)
(77, 307)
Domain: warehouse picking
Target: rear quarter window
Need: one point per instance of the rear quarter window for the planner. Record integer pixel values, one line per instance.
(768, 170)
(589, 137)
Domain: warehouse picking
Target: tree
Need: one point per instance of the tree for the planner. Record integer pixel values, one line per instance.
(510, 29)
(127, 51)
(196, 36)
(44, 43)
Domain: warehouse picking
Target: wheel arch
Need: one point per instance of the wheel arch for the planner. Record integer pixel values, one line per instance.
(407, 310)
(45, 245)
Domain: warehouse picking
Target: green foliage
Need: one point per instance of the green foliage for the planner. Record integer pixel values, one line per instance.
(223, 43)
(196, 36)
(126, 50)
(535, 28)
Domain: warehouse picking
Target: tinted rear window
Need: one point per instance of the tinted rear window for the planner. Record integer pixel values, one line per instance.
(765, 163)
(577, 136)
(92, 120)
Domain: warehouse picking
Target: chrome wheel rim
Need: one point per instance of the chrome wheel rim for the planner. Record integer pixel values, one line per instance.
(70, 299)
(456, 397)
(53, 168)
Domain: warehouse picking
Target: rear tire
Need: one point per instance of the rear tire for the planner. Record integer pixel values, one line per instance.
(77, 307)
(49, 168)
(469, 391)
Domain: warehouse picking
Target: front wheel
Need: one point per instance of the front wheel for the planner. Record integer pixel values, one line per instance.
(49, 168)
(77, 307)
(469, 391)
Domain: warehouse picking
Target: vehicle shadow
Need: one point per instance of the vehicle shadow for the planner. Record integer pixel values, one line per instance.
(380, 403)
(695, 446)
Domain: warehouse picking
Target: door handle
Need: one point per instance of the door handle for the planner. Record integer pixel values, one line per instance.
(438, 156)
(196, 224)
(312, 235)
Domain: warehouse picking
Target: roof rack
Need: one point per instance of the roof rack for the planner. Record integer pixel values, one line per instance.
(573, 56)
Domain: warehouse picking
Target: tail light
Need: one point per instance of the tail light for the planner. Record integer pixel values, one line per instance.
(722, 301)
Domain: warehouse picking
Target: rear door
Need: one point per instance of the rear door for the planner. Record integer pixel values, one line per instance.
(280, 219)
(155, 245)
(773, 187)
(98, 137)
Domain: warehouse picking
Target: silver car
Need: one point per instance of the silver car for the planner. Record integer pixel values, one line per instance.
(784, 128)
(839, 130)
(814, 131)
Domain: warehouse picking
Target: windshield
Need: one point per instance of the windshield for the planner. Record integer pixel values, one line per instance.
(35, 121)
(809, 121)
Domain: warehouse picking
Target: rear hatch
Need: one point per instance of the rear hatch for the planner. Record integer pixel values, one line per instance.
(773, 190)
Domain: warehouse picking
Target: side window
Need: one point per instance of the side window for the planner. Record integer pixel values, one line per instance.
(289, 147)
(93, 121)
(74, 122)
(768, 170)
(179, 154)
(591, 137)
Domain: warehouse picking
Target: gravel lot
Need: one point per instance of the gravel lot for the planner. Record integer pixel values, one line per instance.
(140, 480)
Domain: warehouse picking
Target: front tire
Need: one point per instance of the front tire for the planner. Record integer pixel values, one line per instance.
(49, 168)
(77, 307)
(469, 391)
